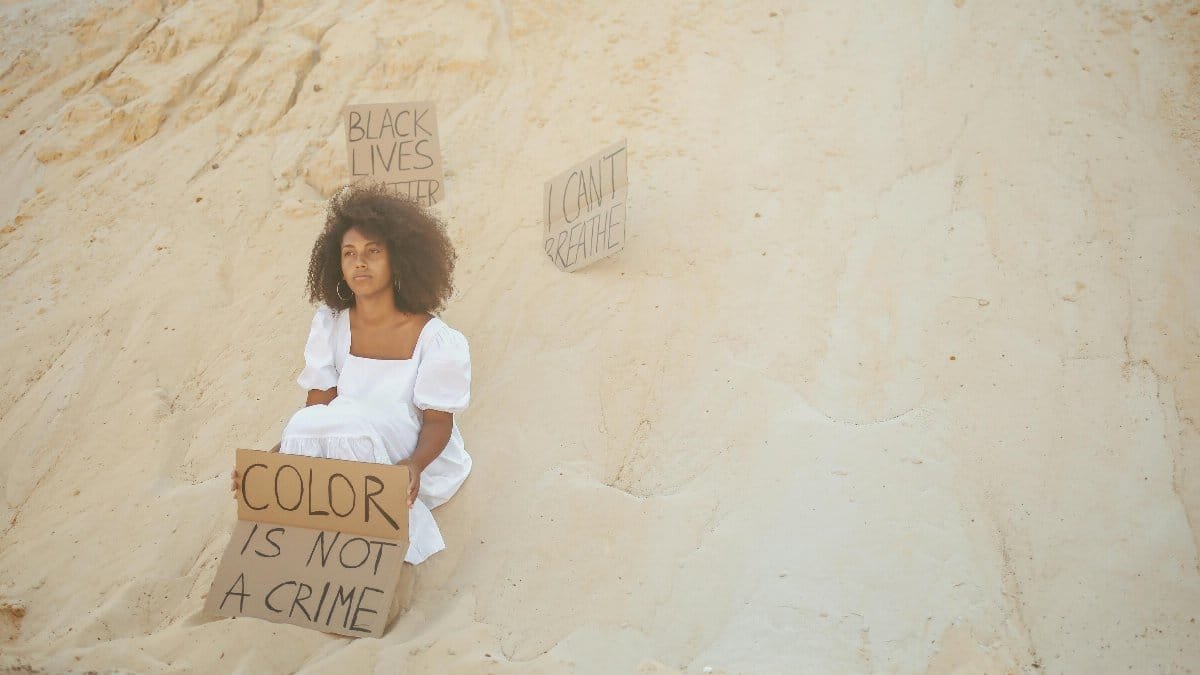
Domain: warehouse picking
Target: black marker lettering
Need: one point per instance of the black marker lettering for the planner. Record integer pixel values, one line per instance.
(359, 608)
(271, 542)
(321, 602)
(597, 192)
(612, 170)
(558, 252)
(353, 496)
(614, 242)
(379, 555)
(340, 599)
(421, 153)
(319, 543)
(577, 242)
(354, 163)
(566, 189)
(396, 123)
(598, 232)
(366, 553)
(299, 481)
(417, 123)
(245, 497)
(298, 600)
(310, 496)
(401, 154)
(368, 135)
(376, 153)
(267, 600)
(387, 123)
(352, 126)
(581, 197)
(248, 538)
(368, 483)
(240, 584)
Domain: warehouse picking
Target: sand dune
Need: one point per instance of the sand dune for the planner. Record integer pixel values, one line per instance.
(899, 371)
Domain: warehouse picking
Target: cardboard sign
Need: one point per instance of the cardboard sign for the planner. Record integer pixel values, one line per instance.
(397, 143)
(324, 494)
(331, 581)
(585, 210)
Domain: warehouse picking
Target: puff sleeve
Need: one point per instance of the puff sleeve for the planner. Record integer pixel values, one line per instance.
(319, 369)
(444, 374)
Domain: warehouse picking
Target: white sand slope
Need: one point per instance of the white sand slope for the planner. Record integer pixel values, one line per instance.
(898, 373)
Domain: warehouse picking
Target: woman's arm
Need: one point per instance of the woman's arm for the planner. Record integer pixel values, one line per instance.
(435, 434)
(320, 397)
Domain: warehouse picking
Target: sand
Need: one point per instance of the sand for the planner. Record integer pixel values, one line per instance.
(899, 371)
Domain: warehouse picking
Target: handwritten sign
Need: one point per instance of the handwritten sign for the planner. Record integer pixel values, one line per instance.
(397, 144)
(323, 494)
(331, 581)
(585, 210)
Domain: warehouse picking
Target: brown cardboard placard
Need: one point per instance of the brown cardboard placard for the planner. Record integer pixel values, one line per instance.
(330, 581)
(323, 494)
(398, 144)
(585, 210)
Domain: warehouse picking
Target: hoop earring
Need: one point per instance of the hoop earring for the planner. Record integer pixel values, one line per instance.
(396, 284)
(338, 289)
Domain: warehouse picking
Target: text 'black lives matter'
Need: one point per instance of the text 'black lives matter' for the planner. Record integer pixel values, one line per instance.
(396, 144)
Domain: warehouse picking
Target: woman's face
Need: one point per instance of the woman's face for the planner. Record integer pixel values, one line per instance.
(365, 265)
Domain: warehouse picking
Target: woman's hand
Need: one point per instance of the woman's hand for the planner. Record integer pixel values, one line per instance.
(414, 480)
(436, 427)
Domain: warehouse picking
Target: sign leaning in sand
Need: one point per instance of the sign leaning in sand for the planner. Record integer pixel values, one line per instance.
(280, 565)
(398, 144)
(585, 210)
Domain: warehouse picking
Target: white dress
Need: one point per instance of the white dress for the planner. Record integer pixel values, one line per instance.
(376, 416)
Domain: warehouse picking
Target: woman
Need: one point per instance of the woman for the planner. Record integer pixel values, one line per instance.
(384, 376)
